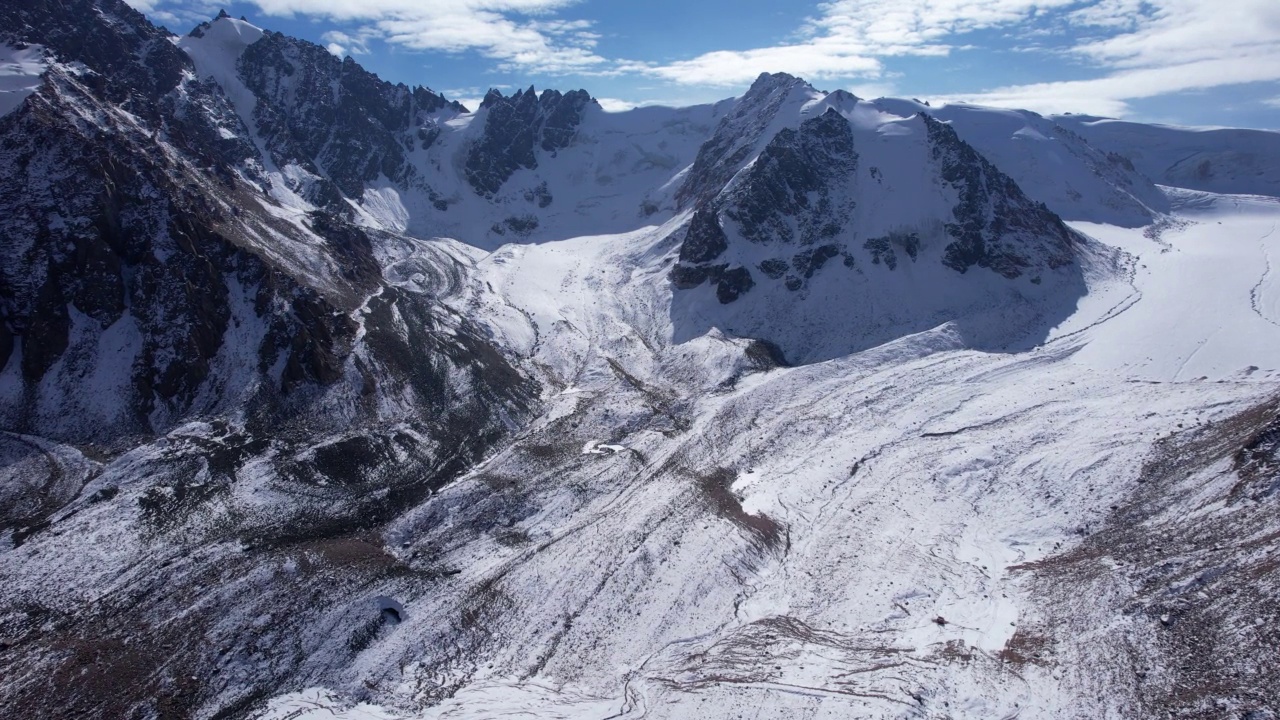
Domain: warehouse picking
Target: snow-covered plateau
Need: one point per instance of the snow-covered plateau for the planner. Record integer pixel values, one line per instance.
(322, 397)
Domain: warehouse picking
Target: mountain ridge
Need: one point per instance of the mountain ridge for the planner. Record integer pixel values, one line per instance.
(321, 396)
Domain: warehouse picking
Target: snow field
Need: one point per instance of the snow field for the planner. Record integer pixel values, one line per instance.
(910, 484)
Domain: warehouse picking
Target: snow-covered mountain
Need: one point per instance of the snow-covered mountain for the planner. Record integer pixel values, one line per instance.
(161, 266)
(1218, 160)
(414, 163)
(899, 224)
(1054, 164)
(326, 397)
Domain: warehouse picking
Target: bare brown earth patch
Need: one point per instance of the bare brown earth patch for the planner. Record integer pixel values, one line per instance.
(716, 487)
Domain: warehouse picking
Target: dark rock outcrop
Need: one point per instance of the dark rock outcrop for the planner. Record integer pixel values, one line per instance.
(800, 196)
(144, 234)
(796, 193)
(131, 59)
(886, 248)
(334, 118)
(705, 239)
(516, 128)
(737, 136)
(792, 192)
(996, 226)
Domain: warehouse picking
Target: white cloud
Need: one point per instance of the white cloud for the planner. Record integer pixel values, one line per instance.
(1109, 95)
(616, 105)
(343, 44)
(730, 67)
(177, 16)
(850, 38)
(1164, 47)
(1170, 32)
(518, 34)
(1272, 102)
(1135, 48)
(902, 27)
(1119, 14)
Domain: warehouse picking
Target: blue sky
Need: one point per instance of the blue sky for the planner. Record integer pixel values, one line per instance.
(1197, 62)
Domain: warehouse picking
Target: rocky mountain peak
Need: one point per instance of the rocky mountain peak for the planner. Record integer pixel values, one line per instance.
(804, 190)
(202, 28)
(841, 97)
(770, 83)
(826, 210)
(516, 128)
(740, 134)
(494, 95)
(334, 119)
(130, 59)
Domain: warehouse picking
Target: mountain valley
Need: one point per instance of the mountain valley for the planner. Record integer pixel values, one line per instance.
(325, 397)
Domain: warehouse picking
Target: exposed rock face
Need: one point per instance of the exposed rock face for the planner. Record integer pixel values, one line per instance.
(795, 192)
(737, 135)
(152, 283)
(149, 280)
(799, 199)
(111, 237)
(886, 248)
(84, 242)
(131, 59)
(705, 240)
(334, 118)
(995, 225)
(516, 128)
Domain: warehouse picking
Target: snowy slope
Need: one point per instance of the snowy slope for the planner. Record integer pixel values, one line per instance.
(1221, 160)
(853, 230)
(20, 71)
(216, 52)
(617, 175)
(1224, 247)
(321, 397)
(872, 536)
(1051, 163)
